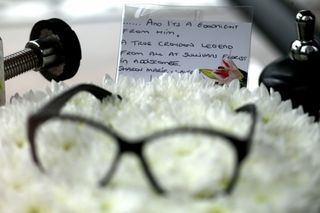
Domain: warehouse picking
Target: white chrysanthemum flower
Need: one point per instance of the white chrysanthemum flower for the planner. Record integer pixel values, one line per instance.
(281, 173)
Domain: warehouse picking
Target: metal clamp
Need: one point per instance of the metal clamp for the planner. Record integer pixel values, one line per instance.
(53, 49)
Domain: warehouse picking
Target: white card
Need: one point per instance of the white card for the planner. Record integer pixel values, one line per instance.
(151, 46)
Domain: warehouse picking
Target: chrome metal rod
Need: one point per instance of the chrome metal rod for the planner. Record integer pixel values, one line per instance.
(20, 62)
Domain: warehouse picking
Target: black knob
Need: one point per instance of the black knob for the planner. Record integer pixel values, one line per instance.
(69, 51)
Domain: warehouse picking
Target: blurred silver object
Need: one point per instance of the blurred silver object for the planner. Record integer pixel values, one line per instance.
(305, 47)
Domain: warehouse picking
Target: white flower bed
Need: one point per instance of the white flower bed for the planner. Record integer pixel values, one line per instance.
(281, 174)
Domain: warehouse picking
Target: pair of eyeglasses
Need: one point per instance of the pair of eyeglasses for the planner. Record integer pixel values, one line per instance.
(183, 158)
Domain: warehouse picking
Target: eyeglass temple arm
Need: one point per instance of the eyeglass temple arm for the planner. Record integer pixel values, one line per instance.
(53, 107)
(59, 101)
(252, 110)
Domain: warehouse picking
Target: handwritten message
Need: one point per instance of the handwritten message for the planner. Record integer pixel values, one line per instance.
(151, 47)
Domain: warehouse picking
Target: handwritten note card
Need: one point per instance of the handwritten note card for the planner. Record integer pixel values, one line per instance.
(151, 46)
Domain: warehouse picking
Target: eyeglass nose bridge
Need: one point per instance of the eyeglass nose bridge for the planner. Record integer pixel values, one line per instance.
(135, 148)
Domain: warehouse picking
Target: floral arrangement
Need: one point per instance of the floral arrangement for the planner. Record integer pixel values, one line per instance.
(280, 174)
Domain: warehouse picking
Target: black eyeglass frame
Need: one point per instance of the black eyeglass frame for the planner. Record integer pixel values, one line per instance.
(52, 111)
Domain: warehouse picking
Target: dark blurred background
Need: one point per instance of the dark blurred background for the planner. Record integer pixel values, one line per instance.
(97, 24)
